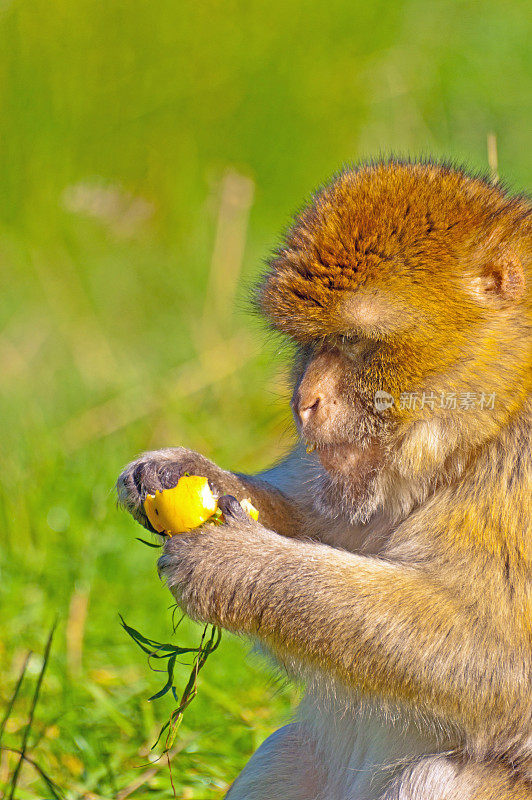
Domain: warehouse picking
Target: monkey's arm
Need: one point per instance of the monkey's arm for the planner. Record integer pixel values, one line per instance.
(382, 627)
(161, 469)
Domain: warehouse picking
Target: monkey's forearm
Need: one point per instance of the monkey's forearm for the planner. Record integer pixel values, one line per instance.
(385, 628)
(389, 630)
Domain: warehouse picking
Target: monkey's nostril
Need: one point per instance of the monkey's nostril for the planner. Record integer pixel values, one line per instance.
(307, 410)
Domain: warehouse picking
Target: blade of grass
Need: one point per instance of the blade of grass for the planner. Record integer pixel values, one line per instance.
(51, 785)
(190, 691)
(34, 702)
(493, 157)
(168, 685)
(146, 776)
(14, 695)
(102, 699)
(150, 544)
(236, 198)
(144, 643)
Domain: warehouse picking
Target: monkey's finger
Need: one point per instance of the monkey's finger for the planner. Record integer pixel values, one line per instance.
(231, 509)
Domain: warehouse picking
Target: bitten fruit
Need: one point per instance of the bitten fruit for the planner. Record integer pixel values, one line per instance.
(186, 506)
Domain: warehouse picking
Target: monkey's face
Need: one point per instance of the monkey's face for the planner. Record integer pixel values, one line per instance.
(403, 288)
(340, 426)
(362, 445)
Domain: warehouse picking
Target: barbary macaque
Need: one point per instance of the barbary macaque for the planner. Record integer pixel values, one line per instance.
(390, 569)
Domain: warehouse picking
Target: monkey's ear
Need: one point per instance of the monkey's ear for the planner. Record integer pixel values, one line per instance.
(501, 283)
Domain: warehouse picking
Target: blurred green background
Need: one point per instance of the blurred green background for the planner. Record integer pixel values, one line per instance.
(150, 156)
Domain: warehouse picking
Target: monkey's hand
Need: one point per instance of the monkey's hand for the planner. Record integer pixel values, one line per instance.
(214, 572)
(161, 469)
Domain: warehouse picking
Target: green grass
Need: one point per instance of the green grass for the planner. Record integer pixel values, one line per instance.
(150, 155)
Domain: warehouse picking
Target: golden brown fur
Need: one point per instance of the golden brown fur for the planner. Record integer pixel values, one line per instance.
(400, 587)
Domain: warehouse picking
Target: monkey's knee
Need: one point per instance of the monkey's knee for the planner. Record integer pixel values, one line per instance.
(441, 778)
(284, 767)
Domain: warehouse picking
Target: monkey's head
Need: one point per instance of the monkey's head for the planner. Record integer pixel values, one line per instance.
(406, 288)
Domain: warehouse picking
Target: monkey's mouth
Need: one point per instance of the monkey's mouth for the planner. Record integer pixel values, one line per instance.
(348, 458)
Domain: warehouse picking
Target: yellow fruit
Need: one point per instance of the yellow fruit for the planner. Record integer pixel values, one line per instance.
(250, 509)
(186, 506)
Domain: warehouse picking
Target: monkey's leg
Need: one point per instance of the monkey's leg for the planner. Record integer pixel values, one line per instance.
(161, 469)
(283, 768)
(440, 778)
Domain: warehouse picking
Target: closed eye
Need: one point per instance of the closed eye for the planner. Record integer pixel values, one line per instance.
(357, 348)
